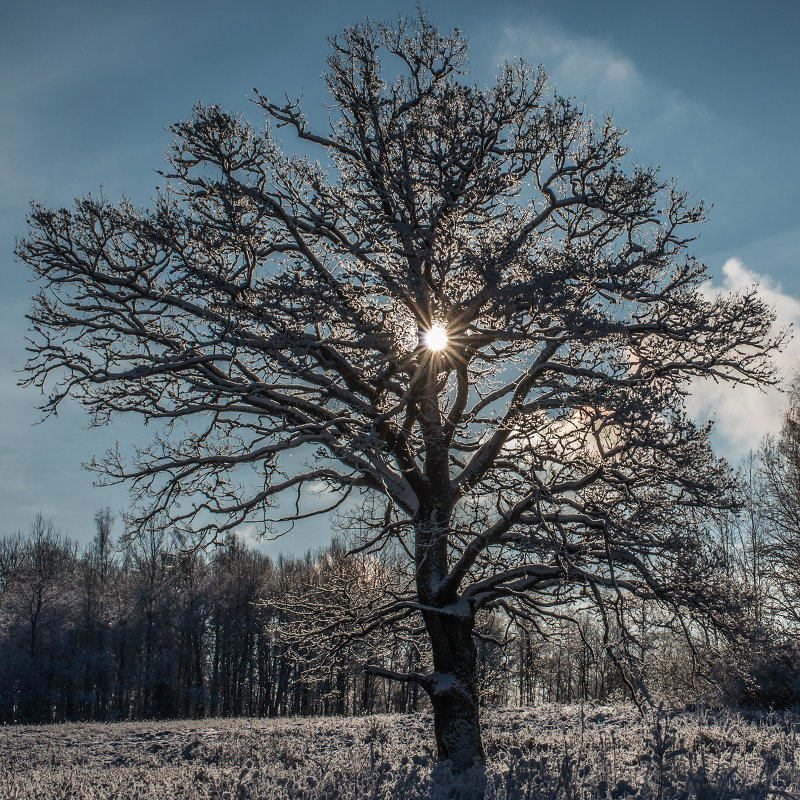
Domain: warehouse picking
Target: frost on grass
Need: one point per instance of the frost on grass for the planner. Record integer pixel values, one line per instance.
(544, 752)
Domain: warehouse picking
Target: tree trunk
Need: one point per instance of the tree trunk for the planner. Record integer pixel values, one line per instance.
(454, 690)
(454, 686)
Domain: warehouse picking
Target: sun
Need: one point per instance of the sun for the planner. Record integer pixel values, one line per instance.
(435, 338)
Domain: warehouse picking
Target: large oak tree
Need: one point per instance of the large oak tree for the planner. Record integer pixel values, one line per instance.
(474, 313)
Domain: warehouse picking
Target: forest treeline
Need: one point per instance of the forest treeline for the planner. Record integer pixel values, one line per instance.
(140, 628)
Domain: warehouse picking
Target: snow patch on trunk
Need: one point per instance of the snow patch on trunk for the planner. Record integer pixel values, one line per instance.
(445, 682)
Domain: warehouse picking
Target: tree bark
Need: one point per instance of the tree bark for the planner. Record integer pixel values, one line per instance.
(454, 690)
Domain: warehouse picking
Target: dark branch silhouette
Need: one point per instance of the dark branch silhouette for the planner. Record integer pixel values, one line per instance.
(272, 311)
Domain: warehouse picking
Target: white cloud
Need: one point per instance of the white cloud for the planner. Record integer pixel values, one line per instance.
(580, 64)
(743, 414)
(322, 489)
(610, 82)
(249, 535)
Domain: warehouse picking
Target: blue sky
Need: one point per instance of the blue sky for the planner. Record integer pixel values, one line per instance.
(707, 90)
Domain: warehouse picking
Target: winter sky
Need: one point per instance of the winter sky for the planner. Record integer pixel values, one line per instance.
(709, 90)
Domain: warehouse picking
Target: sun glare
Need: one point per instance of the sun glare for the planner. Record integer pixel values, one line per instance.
(435, 338)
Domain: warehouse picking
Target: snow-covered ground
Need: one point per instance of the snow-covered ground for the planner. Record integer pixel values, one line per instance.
(543, 752)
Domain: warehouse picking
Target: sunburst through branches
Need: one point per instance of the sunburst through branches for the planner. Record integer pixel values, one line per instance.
(435, 338)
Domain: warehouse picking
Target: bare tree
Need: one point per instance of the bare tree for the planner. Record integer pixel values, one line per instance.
(47, 560)
(777, 507)
(473, 313)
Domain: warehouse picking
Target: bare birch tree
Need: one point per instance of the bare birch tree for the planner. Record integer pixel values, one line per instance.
(474, 313)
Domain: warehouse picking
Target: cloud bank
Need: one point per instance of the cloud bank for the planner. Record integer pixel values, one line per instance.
(743, 415)
(587, 67)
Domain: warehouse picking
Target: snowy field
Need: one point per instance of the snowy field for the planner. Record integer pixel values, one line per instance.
(544, 752)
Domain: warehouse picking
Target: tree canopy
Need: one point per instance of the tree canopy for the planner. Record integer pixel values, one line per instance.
(474, 313)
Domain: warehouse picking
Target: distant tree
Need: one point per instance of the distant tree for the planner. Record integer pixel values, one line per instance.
(777, 506)
(474, 313)
(238, 576)
(46, 563)
(98, 570)
(38, 597)
(103, 545)
(10, 558)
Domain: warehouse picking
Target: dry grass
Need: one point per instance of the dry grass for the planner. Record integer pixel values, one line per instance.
(550, 752)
